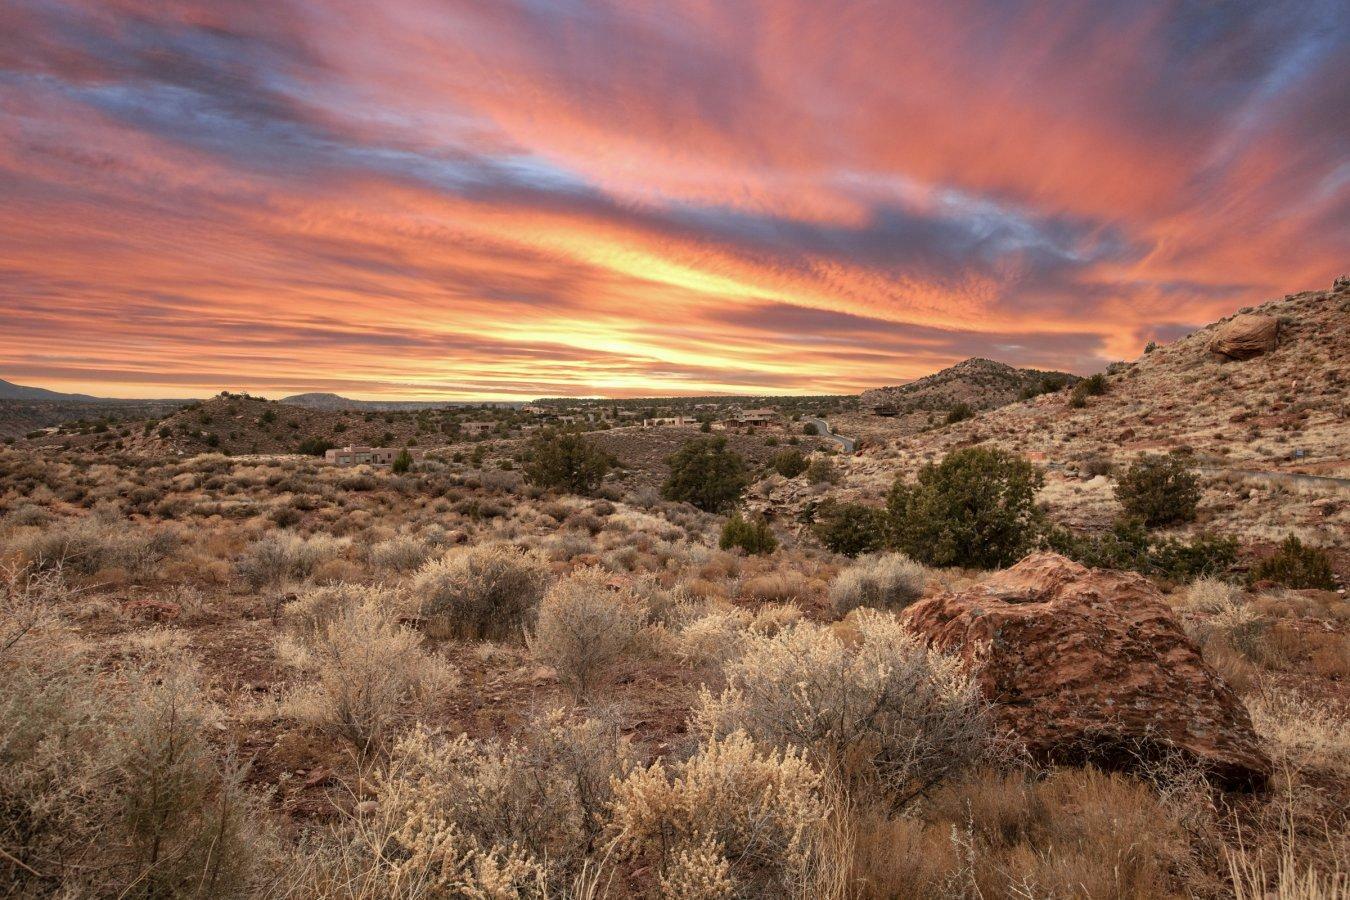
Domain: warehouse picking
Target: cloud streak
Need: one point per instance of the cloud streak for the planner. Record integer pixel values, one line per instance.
(525, 198)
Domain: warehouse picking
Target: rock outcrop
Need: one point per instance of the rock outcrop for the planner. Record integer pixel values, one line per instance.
(1087, 665)
(1246, 336)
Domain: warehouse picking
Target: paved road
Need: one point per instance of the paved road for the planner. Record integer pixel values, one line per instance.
(848, 445)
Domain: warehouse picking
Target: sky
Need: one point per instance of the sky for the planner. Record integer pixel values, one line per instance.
(508, 199)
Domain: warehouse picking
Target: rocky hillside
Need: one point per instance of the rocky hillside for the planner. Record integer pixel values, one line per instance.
(978, 383)
(242, 424)
(1256, 428)
(337, 401)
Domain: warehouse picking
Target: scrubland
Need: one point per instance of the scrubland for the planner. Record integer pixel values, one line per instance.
(267, 678)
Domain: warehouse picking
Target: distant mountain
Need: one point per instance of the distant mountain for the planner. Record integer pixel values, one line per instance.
(324, 401)
(11, 391)
(980, 383)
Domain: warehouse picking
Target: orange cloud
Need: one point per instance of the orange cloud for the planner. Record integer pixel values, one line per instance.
(517, 199)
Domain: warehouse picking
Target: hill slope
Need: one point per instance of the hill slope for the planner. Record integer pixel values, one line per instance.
(12, 391)
(979, 383)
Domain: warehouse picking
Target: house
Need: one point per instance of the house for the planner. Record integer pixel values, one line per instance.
(476, 428)
(677, 421)
(757, 416)
(352, 455)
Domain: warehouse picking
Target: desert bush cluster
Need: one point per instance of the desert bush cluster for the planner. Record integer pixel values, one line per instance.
(231, 677)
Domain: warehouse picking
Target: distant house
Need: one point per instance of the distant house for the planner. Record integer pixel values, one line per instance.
(369, 456)
(677, 421)
(757, 416)
(475, 428)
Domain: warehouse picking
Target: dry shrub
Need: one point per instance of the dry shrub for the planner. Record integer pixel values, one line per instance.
(87, 547)
(733, 820)
(458, 817)
(308, 616)
(586, 630)
(1209, 595)
(371, 675)
(489, 592)
(1290, 878)
(884, 581)
(282, 556)
(776, 587)
(886, 712)
(403, 554)
(103, 798)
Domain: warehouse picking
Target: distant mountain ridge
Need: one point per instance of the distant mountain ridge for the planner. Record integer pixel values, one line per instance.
(980, 383)
(11, 391)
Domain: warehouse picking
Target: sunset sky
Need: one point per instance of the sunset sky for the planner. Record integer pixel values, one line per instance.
(522, 198)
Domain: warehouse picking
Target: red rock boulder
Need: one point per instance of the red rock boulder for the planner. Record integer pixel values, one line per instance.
(1090, 666)
(1245, 336)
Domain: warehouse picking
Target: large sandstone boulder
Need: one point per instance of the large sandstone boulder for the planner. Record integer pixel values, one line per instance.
(1245, 336)
(1089, 665)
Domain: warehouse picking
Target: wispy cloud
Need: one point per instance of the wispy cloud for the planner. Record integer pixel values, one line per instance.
(459, 198)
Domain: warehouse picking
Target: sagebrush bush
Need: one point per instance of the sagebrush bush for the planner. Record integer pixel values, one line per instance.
(485, 592)
(88, 546)
(108, 798)
(734, 820)
(586, 629)
(977, 508)
(884, 581)
(1297, 565)
(751, 535)
(883, 713)
(459, 817)
(370, 675)
(1159, 490)
(283, 556)
(402, 554)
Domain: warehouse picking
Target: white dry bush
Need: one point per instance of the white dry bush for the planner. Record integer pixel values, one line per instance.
(882, 581)
(284, 556)
(711, 634)
(885, 712)
(402, 554)
(587, 629)
(1210, 595)
(370, 675)
(733, 820)
(459, 817)
(487, 592)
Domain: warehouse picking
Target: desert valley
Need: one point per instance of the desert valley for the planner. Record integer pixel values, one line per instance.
(995, 633)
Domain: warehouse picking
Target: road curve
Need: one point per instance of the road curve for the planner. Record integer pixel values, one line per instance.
(848, 445)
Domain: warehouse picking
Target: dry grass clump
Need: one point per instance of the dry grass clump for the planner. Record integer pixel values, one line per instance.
(371, 675)
(282, 556)
(884, 581)
(487, 592)
(587, 629)
(1300, 733)
(733, 820)
(1077, 833)
(458, 817)
(886, 712)
(786, 586)
(1209, 595)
